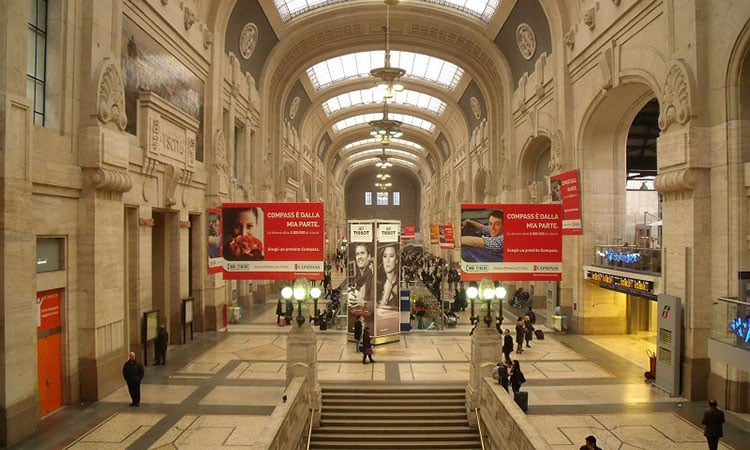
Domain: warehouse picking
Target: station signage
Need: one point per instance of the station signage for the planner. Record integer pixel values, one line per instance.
(620, 283)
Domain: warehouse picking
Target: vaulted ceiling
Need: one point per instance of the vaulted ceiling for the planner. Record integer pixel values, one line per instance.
(313, 59)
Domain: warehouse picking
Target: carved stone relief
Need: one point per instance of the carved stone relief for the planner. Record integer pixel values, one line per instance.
(526, 41)
(190, 18)
(248, 40)
(293, 108)
(110, 105)
(589, 18)
(675, 102)
(475, 107)
(110, 180)
(570, 38)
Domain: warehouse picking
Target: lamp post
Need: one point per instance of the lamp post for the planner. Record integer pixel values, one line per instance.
(315, 294)
(471, 292)
(487, 289)
(300, 291)
(500, 293)
(286, 294)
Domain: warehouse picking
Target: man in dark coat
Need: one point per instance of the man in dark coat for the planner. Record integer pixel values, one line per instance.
(501, 374)
(133, 373)
(507, 345)
(160, 345)
(357, 333)
(713, 419)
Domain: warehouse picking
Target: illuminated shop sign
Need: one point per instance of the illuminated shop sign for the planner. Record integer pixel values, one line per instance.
(741, 327)
(628, 285)
(623, 257)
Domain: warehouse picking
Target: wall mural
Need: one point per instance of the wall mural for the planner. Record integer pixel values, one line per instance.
(147, 66)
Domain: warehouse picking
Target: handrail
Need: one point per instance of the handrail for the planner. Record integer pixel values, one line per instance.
(479, 427)
(309, 428)
(734, 300)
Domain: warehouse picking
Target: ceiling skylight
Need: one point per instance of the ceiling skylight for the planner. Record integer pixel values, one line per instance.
(371, 96)
(379, 151)
(483, 9)
(371, 161)
(360, 119)
(358, 65)
(289, 9)
(370, 141)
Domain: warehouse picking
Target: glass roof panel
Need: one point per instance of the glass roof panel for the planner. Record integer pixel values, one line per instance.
(373, 95)
(358, 65)
(372, 161)
(365, 118)
(378, 151)
(374, 140)
(482, 9)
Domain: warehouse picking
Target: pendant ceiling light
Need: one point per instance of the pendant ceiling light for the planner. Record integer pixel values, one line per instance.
(389, 77)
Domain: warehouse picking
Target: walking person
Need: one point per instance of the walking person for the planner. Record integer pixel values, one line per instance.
(366, 346)
(501, 375)
(357, 333)
(507, 345)
(133, 373)
(519, 335)
(713, 419)
(516, 376)
(160, 345)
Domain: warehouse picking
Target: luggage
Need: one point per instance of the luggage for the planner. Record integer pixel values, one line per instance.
(323, 325)
(522, 400)
(282, 321)
(539, 334)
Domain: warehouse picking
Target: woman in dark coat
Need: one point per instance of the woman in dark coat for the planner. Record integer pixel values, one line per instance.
(507, 345)
(366, 346)
(516, 376)
(357, 333)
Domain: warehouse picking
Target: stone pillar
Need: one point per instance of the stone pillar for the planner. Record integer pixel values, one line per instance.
(684, 181)
(485, 353)
(302, 361)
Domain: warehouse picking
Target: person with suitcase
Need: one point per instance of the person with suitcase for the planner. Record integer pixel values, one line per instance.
(528, 330)
(501, 375)
(516, 380)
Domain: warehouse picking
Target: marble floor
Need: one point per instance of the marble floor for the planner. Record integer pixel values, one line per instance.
(217, 391)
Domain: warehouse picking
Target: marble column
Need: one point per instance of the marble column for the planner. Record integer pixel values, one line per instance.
(302, 361)
(485, 353)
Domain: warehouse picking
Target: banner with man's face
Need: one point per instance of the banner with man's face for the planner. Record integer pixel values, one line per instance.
(513, 242)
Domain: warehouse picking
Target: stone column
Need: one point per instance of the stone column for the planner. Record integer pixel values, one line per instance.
(485, 353)
(302, 361)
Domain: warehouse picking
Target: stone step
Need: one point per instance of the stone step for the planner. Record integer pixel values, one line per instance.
(396, 445)
(365, 414)
(410, 409)
(379, 422)
(412, 429)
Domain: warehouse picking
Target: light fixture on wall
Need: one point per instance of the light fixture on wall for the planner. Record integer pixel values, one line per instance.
(389, 77)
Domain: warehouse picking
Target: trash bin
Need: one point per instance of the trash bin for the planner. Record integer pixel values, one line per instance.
(560, 323)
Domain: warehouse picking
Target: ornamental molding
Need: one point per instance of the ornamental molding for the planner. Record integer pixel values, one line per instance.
(220, 152)
(248, 40)
(526, 41)
(676, 181)
(110, 102)
(675, 102)
(109, 180)
(190, 18)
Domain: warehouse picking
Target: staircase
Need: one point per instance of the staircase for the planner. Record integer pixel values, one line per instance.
(394, 417)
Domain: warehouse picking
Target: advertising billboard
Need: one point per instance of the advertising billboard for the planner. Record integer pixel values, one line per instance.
(565, 190)
(521, 242)
(272, 240)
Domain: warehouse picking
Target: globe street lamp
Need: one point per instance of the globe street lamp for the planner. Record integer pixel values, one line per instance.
(300, 291)
(487, 290)
(315, 294)
(500, 293)
(471, 292)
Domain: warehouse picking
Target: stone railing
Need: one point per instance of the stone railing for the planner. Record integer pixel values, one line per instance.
(287, 426)
(504, 425)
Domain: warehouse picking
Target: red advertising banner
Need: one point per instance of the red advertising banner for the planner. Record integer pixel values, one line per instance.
(48, 313)
(215, 261)
(446, 236)
(409, 232)
(565, 190)
(279, 241)
(511, 242)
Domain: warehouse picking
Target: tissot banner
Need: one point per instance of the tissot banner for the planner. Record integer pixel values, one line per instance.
(272, 240)
(521, 242)
(409, 232)
(215, 261)
(565, 190)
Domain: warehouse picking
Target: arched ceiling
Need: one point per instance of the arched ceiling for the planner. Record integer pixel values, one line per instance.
(322, 51)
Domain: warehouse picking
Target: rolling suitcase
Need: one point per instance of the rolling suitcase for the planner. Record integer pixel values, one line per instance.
(522, 400)
(539, 334)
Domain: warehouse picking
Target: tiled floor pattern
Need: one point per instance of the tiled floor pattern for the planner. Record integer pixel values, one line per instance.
(221, 398)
